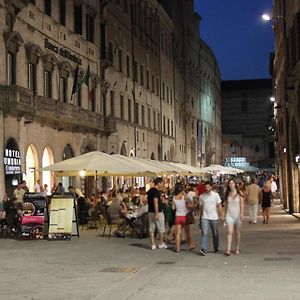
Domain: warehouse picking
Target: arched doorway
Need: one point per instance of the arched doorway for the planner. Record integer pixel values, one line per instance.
(152, 156)
(67, 153)
(32, 165)
(47, 159)
(295, 178)
(123, 150)
(193, 152)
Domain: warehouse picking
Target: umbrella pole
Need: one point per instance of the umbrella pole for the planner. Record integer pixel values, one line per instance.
(96, 180)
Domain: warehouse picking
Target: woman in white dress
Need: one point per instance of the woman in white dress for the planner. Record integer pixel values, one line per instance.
(234, 214)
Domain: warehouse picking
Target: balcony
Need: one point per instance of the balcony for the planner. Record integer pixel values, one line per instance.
(20, 102)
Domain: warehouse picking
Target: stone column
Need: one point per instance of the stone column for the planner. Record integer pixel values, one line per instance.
(2, 178)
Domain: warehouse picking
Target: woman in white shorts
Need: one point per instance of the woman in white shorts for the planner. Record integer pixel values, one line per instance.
(234, 213)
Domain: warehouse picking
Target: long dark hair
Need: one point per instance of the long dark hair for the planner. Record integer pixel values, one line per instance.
(178, 188)
(227, 191)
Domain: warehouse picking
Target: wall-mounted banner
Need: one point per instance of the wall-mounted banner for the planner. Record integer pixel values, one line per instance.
(12, 162)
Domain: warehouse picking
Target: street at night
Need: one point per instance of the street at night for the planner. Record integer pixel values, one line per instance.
(92, 267)
(149, 149)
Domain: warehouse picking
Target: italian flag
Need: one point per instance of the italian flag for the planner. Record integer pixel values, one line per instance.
(87, 79)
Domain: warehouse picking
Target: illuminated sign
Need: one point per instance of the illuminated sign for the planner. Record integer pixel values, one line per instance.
(62, 52)
(12, 162)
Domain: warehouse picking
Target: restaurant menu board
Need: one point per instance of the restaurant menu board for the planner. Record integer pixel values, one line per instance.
(61, 217)
(32, 221)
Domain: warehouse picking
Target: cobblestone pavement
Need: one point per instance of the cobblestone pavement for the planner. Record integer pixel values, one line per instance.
(95, 268)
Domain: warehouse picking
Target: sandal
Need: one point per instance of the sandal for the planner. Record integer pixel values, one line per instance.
(228, 253)
(237, 252)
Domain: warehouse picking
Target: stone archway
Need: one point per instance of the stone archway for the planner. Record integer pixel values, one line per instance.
(67, 153)
(32, 165)
(193, 152)
(152, 156)
(47, 159)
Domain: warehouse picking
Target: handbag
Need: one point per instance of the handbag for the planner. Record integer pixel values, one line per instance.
(190, 219)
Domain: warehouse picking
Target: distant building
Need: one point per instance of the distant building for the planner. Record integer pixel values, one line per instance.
(154, 85)
(286, 78)
(247, 114)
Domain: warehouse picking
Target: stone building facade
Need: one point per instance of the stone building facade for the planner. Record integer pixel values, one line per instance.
(286, 85)
(148, 77)
(247, 117)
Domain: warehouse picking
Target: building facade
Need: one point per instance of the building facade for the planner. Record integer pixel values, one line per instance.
(247, 116)
(145, 91)
(286, 81)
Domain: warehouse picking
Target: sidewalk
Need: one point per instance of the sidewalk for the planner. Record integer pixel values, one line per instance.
(95, 268)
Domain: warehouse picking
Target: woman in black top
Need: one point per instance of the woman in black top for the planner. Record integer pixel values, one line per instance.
(266, 201)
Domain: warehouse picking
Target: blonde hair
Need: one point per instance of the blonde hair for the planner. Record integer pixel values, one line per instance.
(79, 193)
(267, 184)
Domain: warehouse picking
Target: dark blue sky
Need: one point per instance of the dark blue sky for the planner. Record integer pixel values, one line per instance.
(239, 38)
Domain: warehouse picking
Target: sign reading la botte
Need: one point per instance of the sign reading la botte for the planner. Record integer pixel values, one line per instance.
(12, 162)
(62, 52)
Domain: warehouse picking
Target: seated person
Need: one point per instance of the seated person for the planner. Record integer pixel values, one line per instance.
(82, 207)
(117, 211)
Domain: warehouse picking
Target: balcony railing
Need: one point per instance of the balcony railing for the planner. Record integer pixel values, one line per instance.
(20, 102)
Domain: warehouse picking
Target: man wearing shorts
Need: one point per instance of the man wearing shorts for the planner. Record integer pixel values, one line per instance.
(156, 215)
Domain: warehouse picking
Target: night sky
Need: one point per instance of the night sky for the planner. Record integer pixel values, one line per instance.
(239, 38)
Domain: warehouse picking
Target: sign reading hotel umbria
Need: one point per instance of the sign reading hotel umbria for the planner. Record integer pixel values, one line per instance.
(62, 52)
(12, 162)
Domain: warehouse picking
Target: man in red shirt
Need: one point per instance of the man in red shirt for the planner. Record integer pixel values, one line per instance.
(201, 188)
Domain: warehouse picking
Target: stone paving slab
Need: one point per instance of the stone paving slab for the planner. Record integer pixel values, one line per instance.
(268, 267)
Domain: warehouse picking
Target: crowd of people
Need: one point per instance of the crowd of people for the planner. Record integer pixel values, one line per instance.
(167, 213)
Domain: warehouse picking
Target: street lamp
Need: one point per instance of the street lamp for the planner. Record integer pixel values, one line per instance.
(266, 17)
(272, 99)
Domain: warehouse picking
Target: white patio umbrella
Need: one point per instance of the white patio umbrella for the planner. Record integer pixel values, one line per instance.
(96, 163)
(188, 168)
(143, 163)
(213, 169)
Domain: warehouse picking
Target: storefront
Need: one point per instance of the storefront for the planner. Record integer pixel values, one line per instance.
(12, 165)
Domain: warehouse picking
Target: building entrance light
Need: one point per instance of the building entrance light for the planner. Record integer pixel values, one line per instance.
(297, 159)
(272, 99)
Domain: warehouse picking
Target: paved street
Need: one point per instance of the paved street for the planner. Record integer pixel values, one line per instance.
(268, 267)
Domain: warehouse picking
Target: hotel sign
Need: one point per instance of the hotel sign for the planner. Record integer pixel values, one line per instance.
(12, 162)
(62, 52)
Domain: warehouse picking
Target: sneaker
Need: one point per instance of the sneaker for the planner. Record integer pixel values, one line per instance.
(203, 252)
(153, 247)
(162, 246)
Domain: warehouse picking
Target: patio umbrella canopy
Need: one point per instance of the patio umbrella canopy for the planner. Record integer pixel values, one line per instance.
(188, 168)
(143, 163)
(98, 163)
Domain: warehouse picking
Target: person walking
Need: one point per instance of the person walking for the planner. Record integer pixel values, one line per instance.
(234, 214)
(156, 215)
(210, 211)
(180, 207)
(266, 201)
(253, 199)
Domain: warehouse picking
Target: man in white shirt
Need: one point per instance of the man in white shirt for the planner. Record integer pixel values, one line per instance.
(210, 211)
(273, 185)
